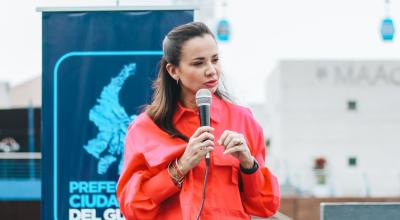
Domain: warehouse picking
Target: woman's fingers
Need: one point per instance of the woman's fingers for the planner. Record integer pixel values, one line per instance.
(201, 130)
(237, 148)
(203, 137)
(235, 145)
(229, 139)
(204, 151)
(199, 150)
(234, 141)
(207, 143)
(223, 137)
(200, 143)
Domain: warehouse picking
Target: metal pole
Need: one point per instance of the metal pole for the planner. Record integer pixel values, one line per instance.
(31, 139)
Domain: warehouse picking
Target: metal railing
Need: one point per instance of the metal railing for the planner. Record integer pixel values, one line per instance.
(20, 165)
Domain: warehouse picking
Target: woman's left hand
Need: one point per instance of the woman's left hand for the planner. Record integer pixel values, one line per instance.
(235, 144)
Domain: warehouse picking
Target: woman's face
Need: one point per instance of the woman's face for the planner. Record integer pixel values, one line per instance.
(199, 66)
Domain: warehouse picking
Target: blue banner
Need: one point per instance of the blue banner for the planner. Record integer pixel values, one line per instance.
(98, 67)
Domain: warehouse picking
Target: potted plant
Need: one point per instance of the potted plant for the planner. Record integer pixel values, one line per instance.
(320, 170)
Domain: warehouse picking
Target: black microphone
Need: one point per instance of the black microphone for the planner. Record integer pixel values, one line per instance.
(203, 101)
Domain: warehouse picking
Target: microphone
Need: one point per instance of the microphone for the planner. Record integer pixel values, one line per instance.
(203, 101)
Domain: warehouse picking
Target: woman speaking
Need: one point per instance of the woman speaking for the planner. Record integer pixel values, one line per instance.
(165, 175)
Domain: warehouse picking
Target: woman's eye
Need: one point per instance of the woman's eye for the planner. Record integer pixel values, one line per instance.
(215, 60)
(197, 63)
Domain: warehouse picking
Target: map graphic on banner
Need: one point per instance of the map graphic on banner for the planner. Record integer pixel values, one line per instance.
(112, 121)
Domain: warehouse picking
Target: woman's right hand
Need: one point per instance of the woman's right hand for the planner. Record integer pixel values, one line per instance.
(201, 142)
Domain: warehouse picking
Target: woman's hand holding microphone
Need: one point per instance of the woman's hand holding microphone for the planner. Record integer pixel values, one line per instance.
(201, 142)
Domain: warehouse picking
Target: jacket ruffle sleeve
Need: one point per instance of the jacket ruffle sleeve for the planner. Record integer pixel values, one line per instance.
(260, 194)
(139, 191)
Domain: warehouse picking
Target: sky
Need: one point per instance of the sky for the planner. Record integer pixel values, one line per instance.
(263, 33)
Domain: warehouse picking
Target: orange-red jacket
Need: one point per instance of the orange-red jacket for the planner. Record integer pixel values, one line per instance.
(146, 191)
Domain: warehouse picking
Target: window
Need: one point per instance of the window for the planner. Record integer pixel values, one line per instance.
(268, 143)
(351, 105)
(352, 162)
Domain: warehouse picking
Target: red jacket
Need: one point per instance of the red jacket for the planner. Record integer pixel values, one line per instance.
(146, 191)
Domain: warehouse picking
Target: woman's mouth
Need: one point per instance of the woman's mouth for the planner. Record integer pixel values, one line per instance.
(211, 83)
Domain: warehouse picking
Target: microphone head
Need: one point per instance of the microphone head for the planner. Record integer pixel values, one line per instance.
(203, 97)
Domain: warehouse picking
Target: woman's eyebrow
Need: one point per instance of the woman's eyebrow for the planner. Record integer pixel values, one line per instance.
(202, 58)
(198, 58)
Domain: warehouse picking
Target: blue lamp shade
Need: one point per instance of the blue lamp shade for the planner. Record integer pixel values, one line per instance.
(387, 29)
(223, 30)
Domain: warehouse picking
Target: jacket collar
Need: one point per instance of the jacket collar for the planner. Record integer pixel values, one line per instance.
(214, 111)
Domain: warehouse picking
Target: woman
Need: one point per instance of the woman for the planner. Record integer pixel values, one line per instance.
(164, 165)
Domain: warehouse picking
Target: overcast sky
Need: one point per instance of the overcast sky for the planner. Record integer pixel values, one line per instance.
(264, 32)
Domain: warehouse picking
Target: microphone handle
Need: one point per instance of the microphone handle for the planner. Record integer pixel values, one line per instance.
(204, 111)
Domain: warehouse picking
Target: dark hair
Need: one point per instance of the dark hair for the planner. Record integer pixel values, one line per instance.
(166, 90)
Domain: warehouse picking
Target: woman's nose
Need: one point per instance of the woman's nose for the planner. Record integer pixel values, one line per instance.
(211, 69)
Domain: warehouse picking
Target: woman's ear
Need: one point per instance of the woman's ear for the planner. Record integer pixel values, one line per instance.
(173, 71)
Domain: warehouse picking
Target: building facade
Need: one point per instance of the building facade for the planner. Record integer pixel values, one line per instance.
(334, 126)
(23, 95)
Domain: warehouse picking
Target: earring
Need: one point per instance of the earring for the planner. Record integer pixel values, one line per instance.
(177, 81)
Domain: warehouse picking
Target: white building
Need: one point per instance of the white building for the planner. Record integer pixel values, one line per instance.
(22, 95)
(27, 93)
(4, 93)
(345, 111)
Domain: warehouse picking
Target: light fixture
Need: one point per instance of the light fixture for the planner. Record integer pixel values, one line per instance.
(387, 26)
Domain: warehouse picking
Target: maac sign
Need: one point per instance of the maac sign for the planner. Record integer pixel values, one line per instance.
(364, 74)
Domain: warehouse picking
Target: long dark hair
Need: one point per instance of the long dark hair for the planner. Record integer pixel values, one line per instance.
(166, 90)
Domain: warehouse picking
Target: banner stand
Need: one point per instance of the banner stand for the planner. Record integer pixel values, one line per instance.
(98, 66)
